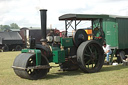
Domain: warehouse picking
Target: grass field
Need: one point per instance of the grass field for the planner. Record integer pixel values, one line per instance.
(109, 75)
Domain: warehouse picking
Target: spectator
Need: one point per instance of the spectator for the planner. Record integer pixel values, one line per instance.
(107, 51)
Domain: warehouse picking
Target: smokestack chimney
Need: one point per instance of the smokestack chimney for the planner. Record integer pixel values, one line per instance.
(43, 13)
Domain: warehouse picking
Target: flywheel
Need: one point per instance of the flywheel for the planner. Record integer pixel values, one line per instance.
(79, 37)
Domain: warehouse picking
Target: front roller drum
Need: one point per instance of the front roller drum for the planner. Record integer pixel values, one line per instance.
(90, 56)
(28, 60)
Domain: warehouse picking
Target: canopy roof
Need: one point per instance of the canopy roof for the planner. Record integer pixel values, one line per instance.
(88, 16)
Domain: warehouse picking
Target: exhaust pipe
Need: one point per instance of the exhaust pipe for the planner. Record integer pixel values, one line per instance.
(43, 13)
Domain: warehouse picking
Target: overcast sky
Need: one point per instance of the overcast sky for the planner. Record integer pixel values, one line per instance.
(26, 12)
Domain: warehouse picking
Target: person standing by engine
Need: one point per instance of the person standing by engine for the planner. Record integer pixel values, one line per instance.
(107, 51)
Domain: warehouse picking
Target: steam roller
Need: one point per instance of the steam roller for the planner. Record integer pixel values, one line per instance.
(70, 53)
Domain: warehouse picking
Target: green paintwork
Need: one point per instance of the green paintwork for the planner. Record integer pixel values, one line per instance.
(110, 28)
(58, 56)
(67, 42)
(38, 57)
(55, 48)
(36, 52)
(122, 33)
(115, 31)
(24, 50)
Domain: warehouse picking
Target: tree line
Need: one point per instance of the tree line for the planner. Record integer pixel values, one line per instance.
(9, 27)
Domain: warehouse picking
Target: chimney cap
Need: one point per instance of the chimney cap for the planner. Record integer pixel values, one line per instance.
(43, 9)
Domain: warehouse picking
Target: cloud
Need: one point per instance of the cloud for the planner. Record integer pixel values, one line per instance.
(17, 11)
(113, 0)
(26, 12)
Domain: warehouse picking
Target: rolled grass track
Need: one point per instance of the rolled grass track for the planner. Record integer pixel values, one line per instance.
(109, 75)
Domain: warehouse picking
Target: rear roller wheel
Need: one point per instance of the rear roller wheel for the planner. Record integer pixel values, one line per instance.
(90, 56)
(25, 60)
